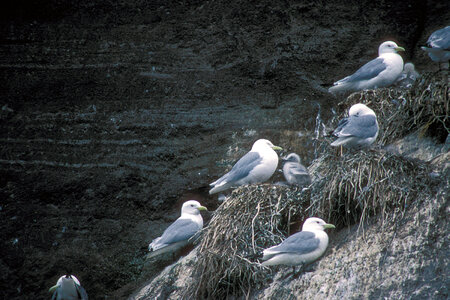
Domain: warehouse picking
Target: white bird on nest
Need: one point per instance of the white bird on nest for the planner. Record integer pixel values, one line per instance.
(380, 72)
(360, 129)
(300, 248)
(256, 166)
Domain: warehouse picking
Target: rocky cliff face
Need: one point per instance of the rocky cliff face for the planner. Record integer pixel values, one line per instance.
(405, 257)
(114, 113)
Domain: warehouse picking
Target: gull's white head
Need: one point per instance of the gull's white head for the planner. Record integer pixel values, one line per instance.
(264, 144)
(360, 109)
(312, 224)
(66, 285)
(192, 207)
(67, 279)
(292, 157)
(389, 47)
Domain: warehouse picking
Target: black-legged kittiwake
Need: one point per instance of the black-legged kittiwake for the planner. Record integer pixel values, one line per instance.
(438, 46)
(177, 235)
(408, 76)
(300, 248)
(256, 166)
(294, 172)
(68, 287)
(380, 72)
(360, 129)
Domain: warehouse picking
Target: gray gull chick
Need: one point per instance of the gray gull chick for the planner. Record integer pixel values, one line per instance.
(294, 172)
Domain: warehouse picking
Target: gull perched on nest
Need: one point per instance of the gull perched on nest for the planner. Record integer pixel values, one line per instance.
(300, 248)
(360, 129)
(379, 72)
(256, 166)
(68, 287)
(177, 235)
(294, 172)
(408, 76)
(439, 46)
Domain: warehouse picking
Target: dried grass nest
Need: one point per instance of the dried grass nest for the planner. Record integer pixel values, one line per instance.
(345, 190)
(424, 107)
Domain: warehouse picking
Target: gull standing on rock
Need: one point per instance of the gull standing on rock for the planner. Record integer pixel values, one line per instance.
(380, 72)
(294, 172)
(256, 166)
(439, 46)
(68, 287)
(300, 248)
(177, 235)
(360, 129)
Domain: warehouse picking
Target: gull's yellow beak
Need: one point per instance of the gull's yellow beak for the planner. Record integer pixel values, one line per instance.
(277, 148)
(399, 49)
(202, 208)
(329, 226)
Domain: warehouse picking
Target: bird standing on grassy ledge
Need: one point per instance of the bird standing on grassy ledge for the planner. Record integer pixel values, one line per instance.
(439, 46)
(68, 287)
(379, 72)
(360, 129)
(177, 235)
(256, 166)
(300, 248)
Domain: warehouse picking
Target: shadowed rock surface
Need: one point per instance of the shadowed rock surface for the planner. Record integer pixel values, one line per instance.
(115, 113)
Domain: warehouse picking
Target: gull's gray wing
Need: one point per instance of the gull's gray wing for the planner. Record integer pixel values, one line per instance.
(302, 242)
(368, 71)
(82, 292)
(341, 125)
(242, 168)
(359, 126)
(440, 39)
(180, 230)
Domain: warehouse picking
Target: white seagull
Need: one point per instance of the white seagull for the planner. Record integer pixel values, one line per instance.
(300, 248)
(68, 288)
(256, 166)
(360, 129)
(294, 172)
(379, 72)
(439, 46)
(177, 235)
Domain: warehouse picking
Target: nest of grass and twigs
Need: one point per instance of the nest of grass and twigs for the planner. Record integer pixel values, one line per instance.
(346, 190)
(423, 107)
(351, 188)
(252, 219)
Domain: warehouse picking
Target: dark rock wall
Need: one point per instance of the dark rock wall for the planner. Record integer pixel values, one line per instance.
(114, 113)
